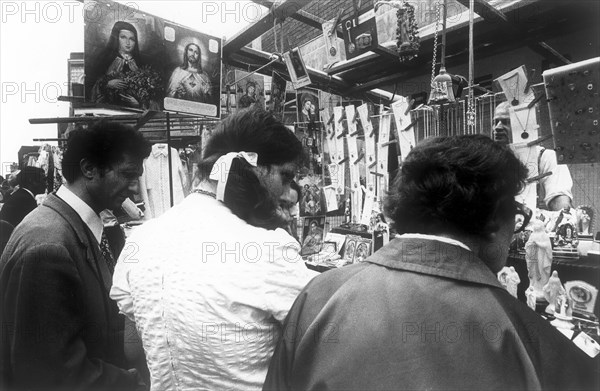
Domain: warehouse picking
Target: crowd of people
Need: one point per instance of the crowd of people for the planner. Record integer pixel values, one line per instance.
(214, 294)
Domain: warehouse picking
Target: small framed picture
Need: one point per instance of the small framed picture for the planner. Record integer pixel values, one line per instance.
(356, 248)
(296, 68)
(312, 238)
(350, 248)
(363, 250)
(329, 247)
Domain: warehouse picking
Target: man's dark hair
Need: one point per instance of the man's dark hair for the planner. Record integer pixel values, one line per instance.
(104, 144)
(31, 178)
(252, 130)
(455, 184)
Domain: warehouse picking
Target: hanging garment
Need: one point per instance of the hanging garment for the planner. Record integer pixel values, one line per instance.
(154, 182)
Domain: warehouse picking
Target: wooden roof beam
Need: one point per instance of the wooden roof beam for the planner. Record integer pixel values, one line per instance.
(319, 78)
(282, 10)
(301, 16)
(491, 14)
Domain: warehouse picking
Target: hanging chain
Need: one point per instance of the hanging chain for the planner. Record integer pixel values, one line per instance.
(435, 42)
(471, 97)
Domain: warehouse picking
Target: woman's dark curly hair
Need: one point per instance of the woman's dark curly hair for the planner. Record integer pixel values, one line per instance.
(248, 199)
(455, 184)
(251, 130)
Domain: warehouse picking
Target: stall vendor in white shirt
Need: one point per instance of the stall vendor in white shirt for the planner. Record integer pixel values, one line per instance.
(556, 187)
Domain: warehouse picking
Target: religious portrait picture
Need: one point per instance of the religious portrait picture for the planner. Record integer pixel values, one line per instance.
(308, 108)
(350, 248)
(312, 237)
(290, 114)
(250, 89)
(193, 66)
(312, 200)
(296, 68)
(356, 249)
(277, 99)
(363, 250)
(123, 57)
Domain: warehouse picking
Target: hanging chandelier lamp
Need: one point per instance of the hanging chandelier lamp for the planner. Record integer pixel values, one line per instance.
(441, 85)
(407, 30)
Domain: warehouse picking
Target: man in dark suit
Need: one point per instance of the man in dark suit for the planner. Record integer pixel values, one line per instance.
(60, 329)
(21, 202)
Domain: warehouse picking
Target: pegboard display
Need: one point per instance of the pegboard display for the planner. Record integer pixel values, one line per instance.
(574, 104)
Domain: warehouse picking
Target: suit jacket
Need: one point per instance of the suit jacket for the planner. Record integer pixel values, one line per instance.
(421, 315)
(17, 207)
(60, 328)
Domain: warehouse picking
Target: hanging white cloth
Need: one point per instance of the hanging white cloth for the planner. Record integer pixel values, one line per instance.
(154, 182)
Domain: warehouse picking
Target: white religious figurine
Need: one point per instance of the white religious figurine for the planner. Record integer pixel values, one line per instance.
(513, 281)
(509, 279)
(563, 313)
(538, 254)
(584, 221)
(552, 290)
(530, 296)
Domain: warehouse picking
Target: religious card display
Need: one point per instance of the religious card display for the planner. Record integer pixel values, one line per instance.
(332, 49)
(356, 249)
(139, 61)
(312, 202)
(385, 122)
(124, 56)
(312, 237)
(277, 101)
(194, 71)
(308, 108)
(296, 68)
(404, 126)
(250, 90)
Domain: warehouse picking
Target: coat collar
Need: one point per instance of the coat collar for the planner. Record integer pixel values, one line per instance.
(84, 236)
(434, 258)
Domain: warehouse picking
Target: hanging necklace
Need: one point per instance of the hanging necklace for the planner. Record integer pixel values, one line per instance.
(524, 134)
(514, 88)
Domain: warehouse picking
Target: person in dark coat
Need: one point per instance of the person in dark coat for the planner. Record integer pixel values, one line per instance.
(6, 229)
(62, 330)
(426, 311)
(31, 182)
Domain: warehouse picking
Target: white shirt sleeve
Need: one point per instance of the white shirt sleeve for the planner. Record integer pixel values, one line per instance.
(560, 182)
(287, 276)
(120, 291)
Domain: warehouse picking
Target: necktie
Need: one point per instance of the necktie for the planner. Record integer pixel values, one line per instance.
(107, 253)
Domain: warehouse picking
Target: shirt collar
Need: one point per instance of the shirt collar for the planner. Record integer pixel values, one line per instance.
(435, 237)
(160, 149)
(87, 214)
